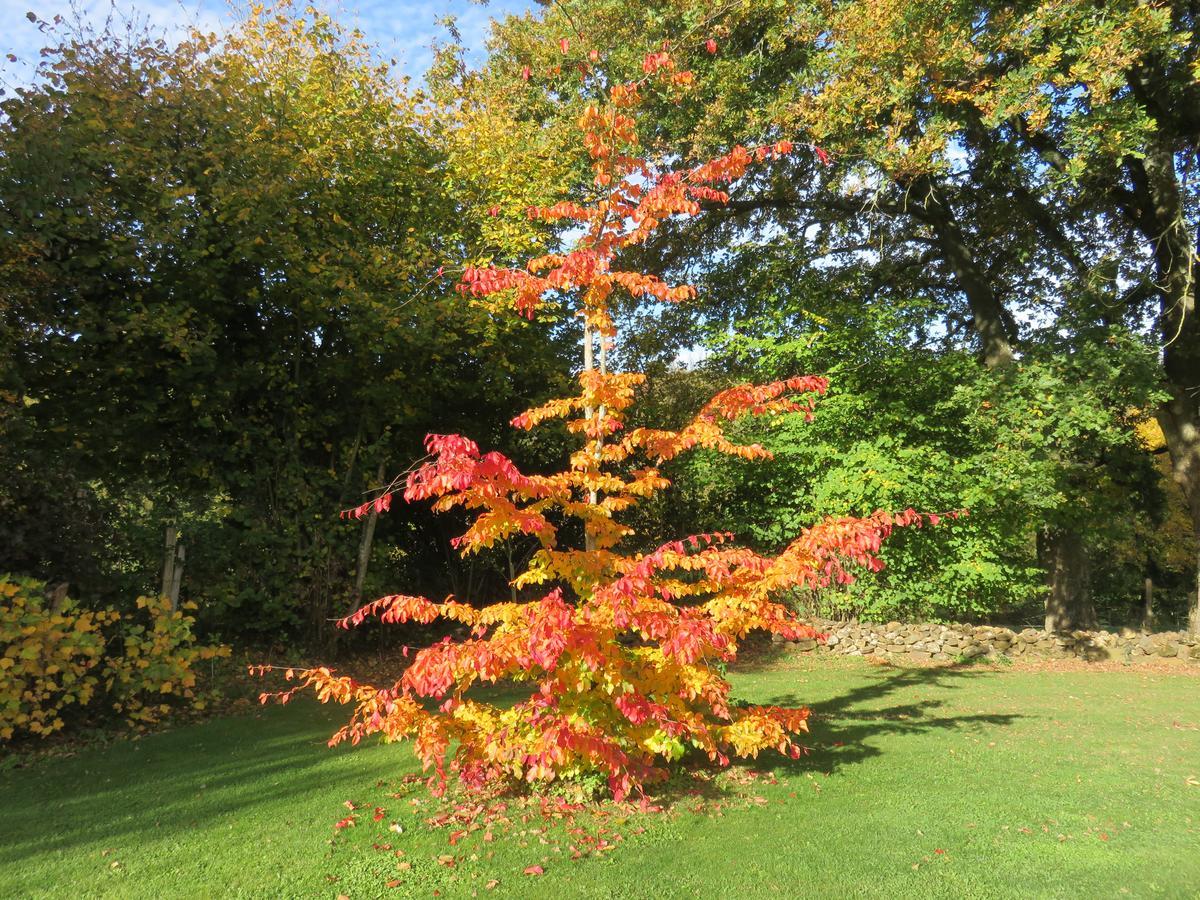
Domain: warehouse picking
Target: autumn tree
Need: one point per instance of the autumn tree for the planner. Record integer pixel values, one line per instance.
(621, 647)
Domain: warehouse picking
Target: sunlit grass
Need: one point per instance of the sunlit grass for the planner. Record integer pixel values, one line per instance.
(921, 783)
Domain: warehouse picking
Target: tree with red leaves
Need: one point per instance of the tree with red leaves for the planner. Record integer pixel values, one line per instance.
(622, 648)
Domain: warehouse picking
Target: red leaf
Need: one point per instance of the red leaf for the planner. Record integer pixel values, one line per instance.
(564, 45)
(711, 46)
(525, 73)
(535, 870)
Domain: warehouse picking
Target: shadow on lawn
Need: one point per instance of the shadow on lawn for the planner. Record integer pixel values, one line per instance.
(841, 726)
(208, 776)
(159, 788)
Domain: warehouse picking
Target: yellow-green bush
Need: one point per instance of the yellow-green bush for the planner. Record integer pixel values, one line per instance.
(156, 667)
(59, 661)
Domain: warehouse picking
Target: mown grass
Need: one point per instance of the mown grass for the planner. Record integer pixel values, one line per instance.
(922, 783)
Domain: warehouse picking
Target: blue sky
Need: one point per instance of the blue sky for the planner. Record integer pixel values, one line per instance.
(402, 29)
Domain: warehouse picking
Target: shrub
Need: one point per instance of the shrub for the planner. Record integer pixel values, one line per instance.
(62, 662)
(52, 658)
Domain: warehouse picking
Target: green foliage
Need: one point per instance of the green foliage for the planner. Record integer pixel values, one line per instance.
(62, 662)
(227, 311)
(1049, 440)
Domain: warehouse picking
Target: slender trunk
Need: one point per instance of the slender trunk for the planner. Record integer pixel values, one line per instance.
(368, 538)
(589, 539)
(512, 571)
(452, 561)
(1148, 604)
(172, 573)
(1193, 622)
(1068, 601)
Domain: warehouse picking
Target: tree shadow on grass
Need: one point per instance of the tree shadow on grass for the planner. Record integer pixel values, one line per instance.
(162, 787)
(840, 727)
(209, 776)
(841, 730)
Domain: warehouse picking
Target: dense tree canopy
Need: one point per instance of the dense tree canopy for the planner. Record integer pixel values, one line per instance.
(227, 300)
(1008, 181)
(225, 305)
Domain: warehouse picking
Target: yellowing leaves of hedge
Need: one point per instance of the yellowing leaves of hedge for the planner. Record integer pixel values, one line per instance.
(59, 660)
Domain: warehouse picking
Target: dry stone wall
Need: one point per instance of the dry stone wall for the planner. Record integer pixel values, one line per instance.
(926, 642)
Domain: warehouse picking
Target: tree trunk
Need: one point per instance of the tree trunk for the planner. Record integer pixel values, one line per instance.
(172, 573)
(987, 311)
(1180, 422)
(1068, 603)
(1148, 604)
(1160, 219)
(368, 538)
(512, 571)
(589, 539)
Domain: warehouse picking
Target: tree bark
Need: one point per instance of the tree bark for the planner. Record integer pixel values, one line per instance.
(996, 344)
(1148, 603)
(589, 539)
(1161, 221)
(1068, 603)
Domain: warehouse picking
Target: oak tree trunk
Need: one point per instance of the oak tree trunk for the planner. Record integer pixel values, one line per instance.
(1068, 601)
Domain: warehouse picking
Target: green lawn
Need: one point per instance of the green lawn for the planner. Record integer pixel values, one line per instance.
(1072, 784)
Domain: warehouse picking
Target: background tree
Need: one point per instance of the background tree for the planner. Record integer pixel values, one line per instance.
(223, 291)
(1001, 173)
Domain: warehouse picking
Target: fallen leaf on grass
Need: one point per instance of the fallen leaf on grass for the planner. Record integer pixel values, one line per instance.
(395, 883)
(535, 870)
(446, 860)
(491, 885)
